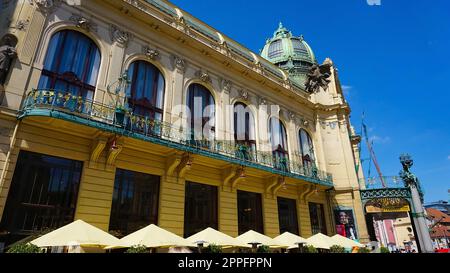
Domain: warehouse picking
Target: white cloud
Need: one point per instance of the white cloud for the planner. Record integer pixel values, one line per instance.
(346, 89)
(379, 139)
(448, 157)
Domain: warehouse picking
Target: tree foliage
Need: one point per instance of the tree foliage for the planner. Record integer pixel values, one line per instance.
(137, 249)
(212, 248)
(24, 248)
(310, 249)
(337, 249)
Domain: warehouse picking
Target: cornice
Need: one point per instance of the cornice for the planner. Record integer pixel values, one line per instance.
(231, 53)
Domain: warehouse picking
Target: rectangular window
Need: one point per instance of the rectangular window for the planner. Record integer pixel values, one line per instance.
(317, 216)
(249, 212)
(287, 215)
(135, 202)
(43, 194)
(200, 209)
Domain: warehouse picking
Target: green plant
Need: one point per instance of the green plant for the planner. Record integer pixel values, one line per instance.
(384, 250)
(363, 250)
(337, 249)
(212, 248)
(263, 249)
(310, 249)
(24, 248)
(121, 108)
(137, 249)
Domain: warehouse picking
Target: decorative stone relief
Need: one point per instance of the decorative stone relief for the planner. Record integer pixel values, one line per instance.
(263, 101)
(151, 53)
(22, 24)
(305, 123)
(83, 23)
(258, 67)
(331, 124)
(292, 116)
(46, 6)
(179, 64)
(204, 76)
(243, 94)
(226, 85)
(119, 36)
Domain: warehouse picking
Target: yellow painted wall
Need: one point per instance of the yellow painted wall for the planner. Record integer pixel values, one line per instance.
(97, 183)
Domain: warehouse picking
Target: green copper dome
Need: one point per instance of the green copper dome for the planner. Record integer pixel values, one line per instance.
(290, 53)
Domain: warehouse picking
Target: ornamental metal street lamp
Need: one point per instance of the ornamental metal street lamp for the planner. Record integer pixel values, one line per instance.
(417, 212)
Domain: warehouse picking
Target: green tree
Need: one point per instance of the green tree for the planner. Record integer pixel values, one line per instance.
(384, 250)
(263, 249)
(337, 249)
(137, 249)
(363, 250)
(310, 249)
(24, 248)
(212, 248)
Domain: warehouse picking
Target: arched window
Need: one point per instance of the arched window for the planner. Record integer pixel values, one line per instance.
(306, 149)
(201, 105)
(244, 130)
(278, 139)
(145, 94)
(71, 64)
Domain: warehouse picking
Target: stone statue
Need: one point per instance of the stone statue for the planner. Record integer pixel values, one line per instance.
(7, 54)
(317, 77)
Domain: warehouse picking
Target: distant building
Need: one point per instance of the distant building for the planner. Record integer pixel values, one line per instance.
(440, 205)
(439, 223)
(404, 233)
(395, 232)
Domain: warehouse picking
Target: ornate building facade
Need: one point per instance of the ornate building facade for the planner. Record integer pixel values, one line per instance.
(126, 113)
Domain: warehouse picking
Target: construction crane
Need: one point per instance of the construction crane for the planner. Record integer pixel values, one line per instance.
(372, 153)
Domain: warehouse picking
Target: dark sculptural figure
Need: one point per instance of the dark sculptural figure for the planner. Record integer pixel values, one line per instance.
(318, 77)
(7, 55)
(408, 177)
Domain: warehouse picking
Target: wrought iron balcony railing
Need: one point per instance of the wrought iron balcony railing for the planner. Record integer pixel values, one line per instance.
(380, 183)
(66, 106)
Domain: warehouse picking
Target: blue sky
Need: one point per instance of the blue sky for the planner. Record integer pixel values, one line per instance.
(393, 61)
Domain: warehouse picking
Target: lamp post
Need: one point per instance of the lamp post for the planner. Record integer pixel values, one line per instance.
(254, 246)
(200, 245)
(300, 246)
(417, 212)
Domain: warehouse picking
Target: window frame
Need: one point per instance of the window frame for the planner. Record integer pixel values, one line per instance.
(132, 180)
(281, 152)
(318, 222)
(243, 224)
(293, 227)
(69, 78)
(248, 142)
(192, 92)
(193, 222)
(308, 159)
(148, 104)
(37, 165)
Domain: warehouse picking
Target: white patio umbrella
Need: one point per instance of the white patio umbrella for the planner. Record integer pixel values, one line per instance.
(320, 241)
(77, 233)
(254, 238)
(288, 239)
(211, 236)
(345, 242)
(154, 236)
